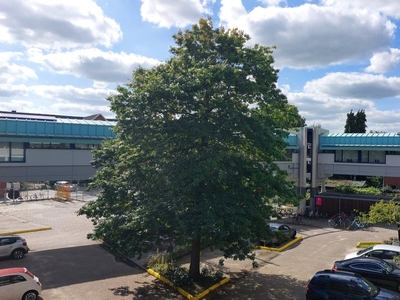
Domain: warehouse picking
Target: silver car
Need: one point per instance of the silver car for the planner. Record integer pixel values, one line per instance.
(13, 246)
(63, 183)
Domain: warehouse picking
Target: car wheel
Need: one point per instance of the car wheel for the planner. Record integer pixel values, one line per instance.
(18, 254)
(30, 295)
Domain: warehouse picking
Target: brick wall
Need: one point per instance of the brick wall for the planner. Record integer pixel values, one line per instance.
(393, 182)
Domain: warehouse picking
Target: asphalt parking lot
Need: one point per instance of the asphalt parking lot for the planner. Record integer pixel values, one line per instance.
(72, 267)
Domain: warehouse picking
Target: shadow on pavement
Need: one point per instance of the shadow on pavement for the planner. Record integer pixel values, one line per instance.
(67, 266)
(262, 286)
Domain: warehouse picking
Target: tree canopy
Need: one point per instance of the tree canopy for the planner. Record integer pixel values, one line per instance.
(194, 157)
(384, 212)
(356, 123)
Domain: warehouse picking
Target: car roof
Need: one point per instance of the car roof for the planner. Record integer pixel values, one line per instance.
(361, 259)
(9, 271)
(337, 274)
(386, 247)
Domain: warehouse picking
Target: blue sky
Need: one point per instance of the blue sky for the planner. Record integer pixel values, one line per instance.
(334, 56)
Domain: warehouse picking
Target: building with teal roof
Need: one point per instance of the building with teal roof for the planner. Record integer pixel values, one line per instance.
(43, 147)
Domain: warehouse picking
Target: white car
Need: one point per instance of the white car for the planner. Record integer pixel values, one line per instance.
(382, 251)
(19, 283)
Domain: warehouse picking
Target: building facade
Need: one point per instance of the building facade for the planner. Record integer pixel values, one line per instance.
(39, 147)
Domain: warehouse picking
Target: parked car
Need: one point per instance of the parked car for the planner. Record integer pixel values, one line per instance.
(331, 284)
(374, 269)
(382, 251)
(13, 246)
(281, 233)
(289, 231)
(64, 183)
(19, 283)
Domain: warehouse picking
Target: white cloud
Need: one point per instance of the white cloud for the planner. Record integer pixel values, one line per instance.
(178, 13)
(387, 7)
(93, 64)
(13, 90)
(56, 24)
(67, 95)
(19, 105)
(327, 100)
(231, 12)
(10, 72)
(356, 86)
(331, 112)
(310, 36)
(384, 61)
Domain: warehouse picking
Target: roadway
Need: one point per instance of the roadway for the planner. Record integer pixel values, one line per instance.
(72, 267)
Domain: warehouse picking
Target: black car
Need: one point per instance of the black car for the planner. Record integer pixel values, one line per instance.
(335, 285)
(374, 269)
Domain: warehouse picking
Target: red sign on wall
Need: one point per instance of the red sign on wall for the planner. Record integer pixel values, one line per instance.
(318, 201)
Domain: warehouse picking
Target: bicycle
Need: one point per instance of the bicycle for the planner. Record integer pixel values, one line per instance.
(339, 221)
(298, 219)
(358, 224)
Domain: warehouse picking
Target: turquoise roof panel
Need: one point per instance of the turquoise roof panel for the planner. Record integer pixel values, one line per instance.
(360, 140)
(59, 128)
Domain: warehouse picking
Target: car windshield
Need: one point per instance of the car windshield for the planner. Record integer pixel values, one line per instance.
(364, 250)
(368, 286)
(386, 266)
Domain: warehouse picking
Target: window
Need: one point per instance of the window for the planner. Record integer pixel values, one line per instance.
(339, 287)
(4, 280)
(389, 254)
(355, 292)
(4, 151)
(12, 152)
(4, 242)
(375, 253)
(17, 278)
(17, 152)
(338, 156)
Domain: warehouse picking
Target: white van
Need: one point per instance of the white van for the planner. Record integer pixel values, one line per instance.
(19, 283)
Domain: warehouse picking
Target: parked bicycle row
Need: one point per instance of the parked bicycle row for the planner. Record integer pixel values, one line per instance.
(351, 222)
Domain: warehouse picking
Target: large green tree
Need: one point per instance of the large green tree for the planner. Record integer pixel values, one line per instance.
(356, 123)
(193, 160)
(384, 212)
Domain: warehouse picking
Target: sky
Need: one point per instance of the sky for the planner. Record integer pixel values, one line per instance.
(333, 56)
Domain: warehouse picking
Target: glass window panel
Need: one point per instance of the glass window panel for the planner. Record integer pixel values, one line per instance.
(4, 151)
(81, 146)
(35, 145)
(364, 156)
(17, 152)
(338, 155)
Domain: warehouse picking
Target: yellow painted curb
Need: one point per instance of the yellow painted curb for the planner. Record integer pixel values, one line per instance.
(25, 231)
(183, 292)
(367, 244)
(298, 239)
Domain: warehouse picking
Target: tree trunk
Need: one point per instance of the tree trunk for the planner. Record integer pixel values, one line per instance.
(194, 269)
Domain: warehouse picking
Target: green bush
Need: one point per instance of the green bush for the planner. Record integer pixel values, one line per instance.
(347, 189)
(179, 276)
